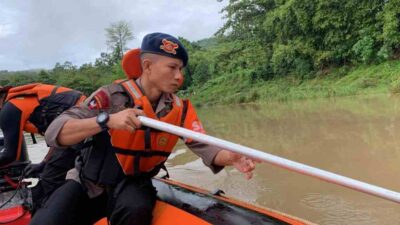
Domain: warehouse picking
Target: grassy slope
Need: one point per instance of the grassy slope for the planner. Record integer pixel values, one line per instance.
(367, 79)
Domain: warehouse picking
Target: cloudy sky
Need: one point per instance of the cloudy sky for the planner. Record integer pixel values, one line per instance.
(38, 33)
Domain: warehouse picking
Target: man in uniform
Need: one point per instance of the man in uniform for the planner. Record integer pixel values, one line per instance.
(114, 178)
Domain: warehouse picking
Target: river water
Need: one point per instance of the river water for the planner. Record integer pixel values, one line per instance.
(357, 137)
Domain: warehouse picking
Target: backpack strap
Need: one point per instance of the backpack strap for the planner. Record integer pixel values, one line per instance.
(33, 138)
(53, 92)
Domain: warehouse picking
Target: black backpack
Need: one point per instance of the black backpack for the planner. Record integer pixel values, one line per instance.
(52, 106)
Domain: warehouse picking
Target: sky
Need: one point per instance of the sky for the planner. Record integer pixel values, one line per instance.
(36, 34)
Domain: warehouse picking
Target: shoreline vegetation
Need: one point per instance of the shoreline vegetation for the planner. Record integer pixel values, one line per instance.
(266, 50)
(234, 88)
(383, 78)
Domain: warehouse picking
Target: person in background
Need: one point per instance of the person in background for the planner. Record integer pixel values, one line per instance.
(114, 176)
(31, 108)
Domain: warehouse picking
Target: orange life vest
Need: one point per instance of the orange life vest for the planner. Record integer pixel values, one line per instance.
(143, 150)
(29, 99)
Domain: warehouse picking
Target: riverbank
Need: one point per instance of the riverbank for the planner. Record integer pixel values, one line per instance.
(345, 81)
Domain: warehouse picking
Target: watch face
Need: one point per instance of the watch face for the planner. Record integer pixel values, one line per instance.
(102, 117)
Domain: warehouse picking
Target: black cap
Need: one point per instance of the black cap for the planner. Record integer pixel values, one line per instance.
(164, 44)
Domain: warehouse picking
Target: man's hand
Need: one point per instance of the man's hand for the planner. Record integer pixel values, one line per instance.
(33, 170)
(125, 120)
(242, 163)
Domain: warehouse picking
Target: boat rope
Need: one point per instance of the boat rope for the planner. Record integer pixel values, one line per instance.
(17, 189)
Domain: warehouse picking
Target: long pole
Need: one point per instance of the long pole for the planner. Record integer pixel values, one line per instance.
(275, 160)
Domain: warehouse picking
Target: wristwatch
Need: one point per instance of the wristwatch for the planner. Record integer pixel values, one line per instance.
(102, 120)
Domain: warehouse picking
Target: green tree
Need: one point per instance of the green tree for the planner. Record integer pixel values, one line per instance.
(201, 73)
(244, 18)
(390, 37)
(118, 35)
(44, 77)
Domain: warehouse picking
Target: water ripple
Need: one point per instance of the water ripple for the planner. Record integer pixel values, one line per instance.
(337, 211)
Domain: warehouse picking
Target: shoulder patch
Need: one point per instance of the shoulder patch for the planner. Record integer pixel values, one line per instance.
(100, 100)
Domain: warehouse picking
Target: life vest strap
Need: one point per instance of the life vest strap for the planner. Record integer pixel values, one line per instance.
(184, 112)
(144, 128)
(131, 89)
(163, 167)
(136, 168)
(147, 139)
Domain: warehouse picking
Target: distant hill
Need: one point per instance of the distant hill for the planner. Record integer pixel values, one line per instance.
(207, 42)
(6, 73)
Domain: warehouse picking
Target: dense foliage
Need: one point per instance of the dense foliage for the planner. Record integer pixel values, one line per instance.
(86, 78)
(261, 41)
(303, 36)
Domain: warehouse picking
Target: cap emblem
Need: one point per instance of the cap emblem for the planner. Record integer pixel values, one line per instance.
(169, 46)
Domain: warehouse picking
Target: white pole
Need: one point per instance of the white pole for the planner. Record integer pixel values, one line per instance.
(275, 160)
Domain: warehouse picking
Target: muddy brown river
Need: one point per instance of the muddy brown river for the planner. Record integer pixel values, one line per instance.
(357, 137)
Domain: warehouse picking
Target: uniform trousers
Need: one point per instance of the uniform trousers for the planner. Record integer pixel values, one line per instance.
(130, 203)
(53, 175)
